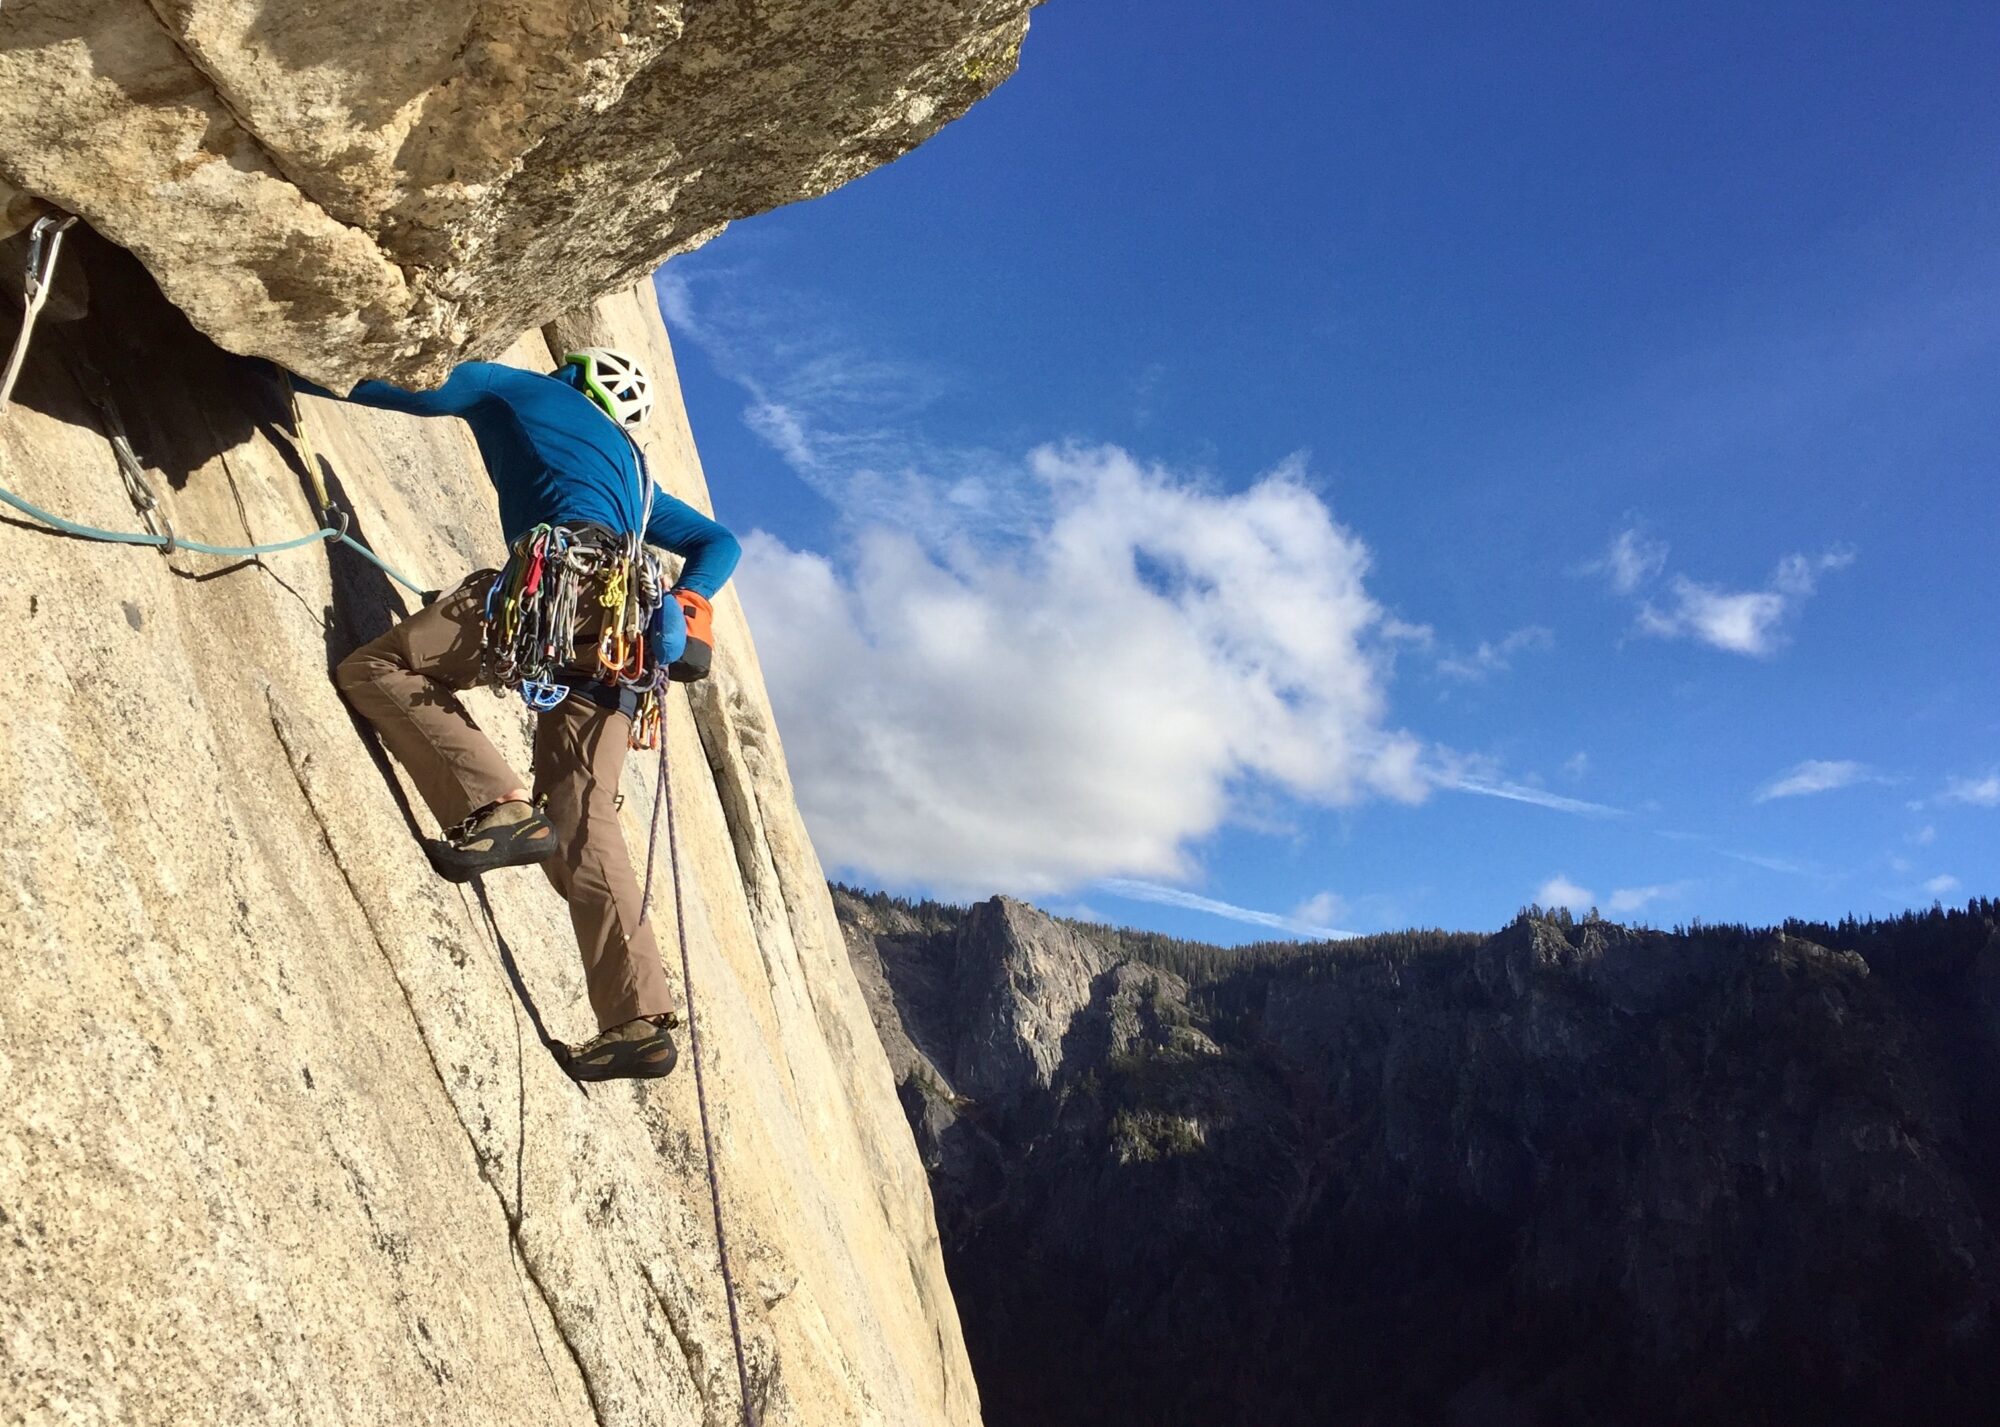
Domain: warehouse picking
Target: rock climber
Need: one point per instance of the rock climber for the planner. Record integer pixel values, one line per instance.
(578, 511)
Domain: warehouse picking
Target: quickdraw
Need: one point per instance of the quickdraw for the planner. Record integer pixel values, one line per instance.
(536, 607)
(44, 245)
(130, 470)
(646, 723)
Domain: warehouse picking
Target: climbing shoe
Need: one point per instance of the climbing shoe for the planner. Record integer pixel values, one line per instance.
(638, 1050)
(498, 835)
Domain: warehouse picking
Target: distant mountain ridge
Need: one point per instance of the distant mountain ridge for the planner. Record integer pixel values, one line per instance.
(1570, 1172)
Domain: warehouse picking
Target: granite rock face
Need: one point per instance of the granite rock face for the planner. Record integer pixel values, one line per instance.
(1570, 1173)
(278, 1140)
(382, 187)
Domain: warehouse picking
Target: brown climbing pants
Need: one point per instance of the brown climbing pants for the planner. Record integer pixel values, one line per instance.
(404, 685)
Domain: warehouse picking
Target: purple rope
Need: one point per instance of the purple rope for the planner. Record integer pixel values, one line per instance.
(665, 795)
(662, 794)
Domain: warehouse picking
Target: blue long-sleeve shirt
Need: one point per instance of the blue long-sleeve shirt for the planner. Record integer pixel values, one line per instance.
(556, 459)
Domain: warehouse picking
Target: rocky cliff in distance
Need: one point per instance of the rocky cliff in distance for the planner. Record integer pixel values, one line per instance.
(1570, 1173)
(381, 187)
(278, 1142)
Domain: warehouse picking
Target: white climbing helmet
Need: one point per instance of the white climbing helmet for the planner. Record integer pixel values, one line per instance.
(617, 382)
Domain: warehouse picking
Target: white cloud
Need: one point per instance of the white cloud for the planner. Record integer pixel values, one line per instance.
(1627, 900)
(1076, 911)
(1942, 885)
(1085, 704)
(1743, 621)
(1577, 765)
(1025, 673)
(1922, 837)
(1559, 891)
(1815, 775)
(1630, 562)
(1496, 658)
(1321, 909)
(1178, 897)
(1979, 792)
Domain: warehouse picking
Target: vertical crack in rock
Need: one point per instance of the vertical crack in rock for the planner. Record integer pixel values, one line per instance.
(297, 759)
(700, 1370)
(719, 742)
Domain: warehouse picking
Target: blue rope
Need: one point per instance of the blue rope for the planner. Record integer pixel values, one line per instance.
(240, 552)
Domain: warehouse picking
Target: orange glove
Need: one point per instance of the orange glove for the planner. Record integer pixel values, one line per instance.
(694, 661)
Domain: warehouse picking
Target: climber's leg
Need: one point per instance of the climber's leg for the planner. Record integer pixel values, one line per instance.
(579, 753)
(402, 684)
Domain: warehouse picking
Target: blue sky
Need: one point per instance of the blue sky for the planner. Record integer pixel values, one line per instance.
(1373, 466)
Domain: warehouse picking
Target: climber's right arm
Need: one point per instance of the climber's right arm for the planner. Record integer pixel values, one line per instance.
(469, 384)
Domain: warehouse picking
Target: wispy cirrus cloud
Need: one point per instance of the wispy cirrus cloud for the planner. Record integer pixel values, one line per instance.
(1309, 925)
(1790, 867)
(1816, 775)
(1496, 656)
(1459, 780)
(1630, 562)
(846, 421)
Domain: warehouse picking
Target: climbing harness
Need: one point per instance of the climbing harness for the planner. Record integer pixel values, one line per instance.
(537, 603)
(665, 795)
(536, 606)
(41, 275)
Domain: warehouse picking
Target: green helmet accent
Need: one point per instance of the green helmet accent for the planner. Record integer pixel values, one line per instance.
(615, 382)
